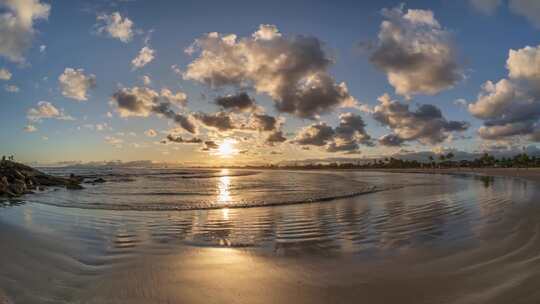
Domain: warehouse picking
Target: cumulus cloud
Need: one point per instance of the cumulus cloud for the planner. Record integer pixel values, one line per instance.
(524, 64)
(238, 102)
(530, 9)
(415, 52)
(293, 71)
(75, 83)
(391, 140)
(115, 26)
(12, 88)
(45, 110)
(275, 137)
(350, 132)
(141, 102)
(5, 74)
(346, 137)
(487, 7)
(136, 101)
(145, 56)
(228, 122)
(220, 121)
(426, 124)
(316, 135)
(17, 26)
(511, 106)
(263, 122)
(178, 99)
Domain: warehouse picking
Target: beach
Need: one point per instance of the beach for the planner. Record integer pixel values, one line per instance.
(427, 239)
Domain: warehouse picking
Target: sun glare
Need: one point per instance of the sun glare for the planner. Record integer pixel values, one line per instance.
(226, 148)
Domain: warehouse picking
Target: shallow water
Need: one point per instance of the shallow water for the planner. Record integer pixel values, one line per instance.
(181, 189)
(429, 227)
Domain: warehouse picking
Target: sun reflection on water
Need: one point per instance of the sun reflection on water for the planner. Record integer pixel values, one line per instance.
(224, 195)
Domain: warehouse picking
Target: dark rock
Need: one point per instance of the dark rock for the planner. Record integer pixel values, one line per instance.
(74, 186)
(18, 179)
(76, 178)
(18, 175)
(30, 184)
(17, 188)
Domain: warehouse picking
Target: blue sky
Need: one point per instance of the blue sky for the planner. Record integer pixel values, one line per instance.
(72, 39)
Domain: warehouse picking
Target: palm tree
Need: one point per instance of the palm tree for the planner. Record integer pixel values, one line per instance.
(442, 158)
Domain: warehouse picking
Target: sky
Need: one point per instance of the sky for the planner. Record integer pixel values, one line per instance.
(237, 82)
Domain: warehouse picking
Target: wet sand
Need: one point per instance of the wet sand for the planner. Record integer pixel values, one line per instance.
(419, 254)
(499, 270)
(532, 174)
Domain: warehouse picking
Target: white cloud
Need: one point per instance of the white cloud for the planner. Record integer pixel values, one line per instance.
(12, 88)
(146, 80)
(293, 70)
(136, 101)
(487, 7)
(145, 56)
(179, 98)
(5, 74)
(510, 107)
(114, 141)
(17, 26)
(42, 48)
(416, 53)
(45, 110)
(30, 128)
(75, 84)
(141, 102)
(460, 102)
(150, 133)
(346, 137)
(495, 99)
(177, 70)
(524, 64)
(98, 127)
(426, 124)
(115, 26)
(267, 32)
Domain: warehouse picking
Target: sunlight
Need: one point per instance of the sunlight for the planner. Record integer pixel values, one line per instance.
(224, 195)
(226, 148)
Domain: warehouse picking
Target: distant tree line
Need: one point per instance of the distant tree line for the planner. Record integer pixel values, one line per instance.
(522, 160)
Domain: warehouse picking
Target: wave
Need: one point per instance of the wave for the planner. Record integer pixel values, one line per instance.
(197, 205)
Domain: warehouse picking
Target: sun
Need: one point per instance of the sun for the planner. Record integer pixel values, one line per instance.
(226, 148)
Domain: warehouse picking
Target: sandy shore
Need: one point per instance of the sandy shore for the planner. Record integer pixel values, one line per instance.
(64, 255)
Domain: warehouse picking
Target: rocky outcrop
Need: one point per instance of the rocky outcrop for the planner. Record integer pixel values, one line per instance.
(18, 179)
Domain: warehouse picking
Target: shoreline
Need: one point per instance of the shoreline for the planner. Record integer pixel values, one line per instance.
(531, 174)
